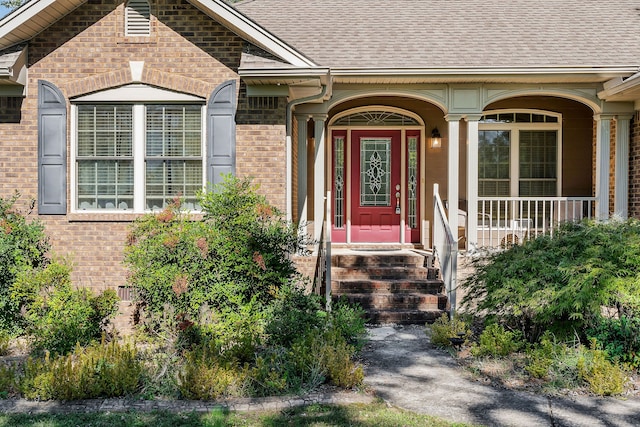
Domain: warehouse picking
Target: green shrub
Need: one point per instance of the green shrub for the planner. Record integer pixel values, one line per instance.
(207, 377)
(239, 253)
(541, 357)
(5, 343)
(443, 329)
(23, 248)
(604, 378)
(58, 316)
(327, 355)
(350, 321)
(100, 370)
(562, 283)
(496, 341)
(293, 314)
(620, 338)
(8, 383)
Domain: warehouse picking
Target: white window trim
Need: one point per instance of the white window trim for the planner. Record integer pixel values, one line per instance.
(130, 95)
(514, 152)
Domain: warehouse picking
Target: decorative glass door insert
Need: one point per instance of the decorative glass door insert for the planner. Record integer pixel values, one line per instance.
(375, 171)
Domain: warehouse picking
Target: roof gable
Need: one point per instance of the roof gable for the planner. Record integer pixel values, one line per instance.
(36, 15)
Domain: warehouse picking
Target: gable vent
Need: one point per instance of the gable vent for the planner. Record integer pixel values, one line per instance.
(137, 18)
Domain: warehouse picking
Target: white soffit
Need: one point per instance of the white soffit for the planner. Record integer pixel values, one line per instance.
(138, 93)
(31, 18)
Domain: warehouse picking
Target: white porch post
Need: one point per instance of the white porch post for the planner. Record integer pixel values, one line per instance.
(472, 182)
(302, 168)
(621, 186)
(453, 169)
(603, 147)
(318, 178)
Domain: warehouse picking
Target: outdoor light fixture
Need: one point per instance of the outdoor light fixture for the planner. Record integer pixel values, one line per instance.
(436, 139)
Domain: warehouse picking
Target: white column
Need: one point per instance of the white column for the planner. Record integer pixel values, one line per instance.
(622, 167)
(302, 168)
(472, 182)
(603, 147)
(318, 178)
(453, 172)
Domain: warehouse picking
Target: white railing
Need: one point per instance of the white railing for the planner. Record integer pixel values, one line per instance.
(445, 249)
(505, 221)
(323, 264)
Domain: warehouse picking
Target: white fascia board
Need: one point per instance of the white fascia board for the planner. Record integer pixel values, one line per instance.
(617, 85)
(138, 93)
(22, 14)
(251, 31)
(479, 71)
(283, 72)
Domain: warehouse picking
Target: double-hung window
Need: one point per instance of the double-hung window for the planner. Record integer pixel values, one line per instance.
(137, 156)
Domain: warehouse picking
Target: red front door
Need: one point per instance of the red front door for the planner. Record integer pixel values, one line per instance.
(375, 186)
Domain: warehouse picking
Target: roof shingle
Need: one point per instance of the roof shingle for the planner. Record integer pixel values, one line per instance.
(455, 33)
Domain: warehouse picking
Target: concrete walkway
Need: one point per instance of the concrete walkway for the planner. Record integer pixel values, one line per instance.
(406, 370)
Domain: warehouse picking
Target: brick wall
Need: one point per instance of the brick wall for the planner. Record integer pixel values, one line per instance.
(86, 52)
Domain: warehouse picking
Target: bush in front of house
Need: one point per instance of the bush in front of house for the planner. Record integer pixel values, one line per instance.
(561, 283)
(562, 292)
(55, 315)
(37, 298)
(105, 369)
(224, 294)
(23, 248)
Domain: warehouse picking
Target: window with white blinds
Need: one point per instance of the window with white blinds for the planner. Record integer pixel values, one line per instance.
(137, 20)
(162, 144)
(105, 157)
(173, 154)
(519, 154)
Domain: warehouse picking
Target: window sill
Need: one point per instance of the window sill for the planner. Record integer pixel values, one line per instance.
(116, 216)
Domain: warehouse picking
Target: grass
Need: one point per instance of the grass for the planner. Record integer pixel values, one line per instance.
(372, 415)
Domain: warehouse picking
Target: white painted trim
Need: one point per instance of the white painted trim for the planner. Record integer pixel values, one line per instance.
(138, 93)
(137, 67)
(139, 172)
(600, 72)
(472, 184)
(319, 177)
(621, 186)
(23, 14)
(603, 146)
(514, 153)
(453, 173)
(384, 108)
(73, 141)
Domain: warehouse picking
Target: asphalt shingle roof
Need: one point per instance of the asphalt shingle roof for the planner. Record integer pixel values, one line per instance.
(455, 33)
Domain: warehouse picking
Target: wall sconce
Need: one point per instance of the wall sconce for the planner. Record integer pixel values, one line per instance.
(436, 139)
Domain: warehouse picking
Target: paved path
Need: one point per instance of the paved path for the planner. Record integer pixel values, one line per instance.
(406, 370)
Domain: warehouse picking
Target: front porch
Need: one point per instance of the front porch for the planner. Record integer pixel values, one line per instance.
(518, 168)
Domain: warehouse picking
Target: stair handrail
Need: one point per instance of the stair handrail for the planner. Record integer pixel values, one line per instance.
(323, 264)
(445, 249)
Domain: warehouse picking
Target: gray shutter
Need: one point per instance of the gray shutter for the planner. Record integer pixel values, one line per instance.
(221, 132)
(52, 150)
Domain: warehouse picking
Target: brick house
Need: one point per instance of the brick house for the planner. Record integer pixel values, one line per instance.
(525, 115)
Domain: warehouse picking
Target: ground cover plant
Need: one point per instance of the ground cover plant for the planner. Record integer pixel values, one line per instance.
(562, 311)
